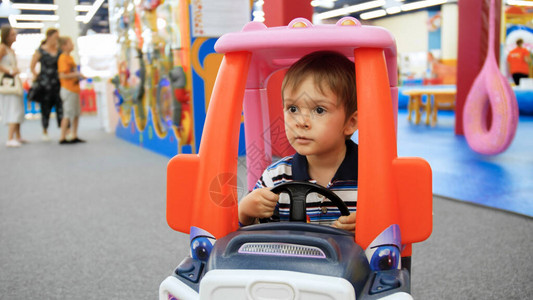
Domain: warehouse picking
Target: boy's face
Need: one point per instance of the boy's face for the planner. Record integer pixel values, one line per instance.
(316, 123)
(69, 46)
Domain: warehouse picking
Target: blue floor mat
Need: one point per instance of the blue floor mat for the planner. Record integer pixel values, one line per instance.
(503, 181)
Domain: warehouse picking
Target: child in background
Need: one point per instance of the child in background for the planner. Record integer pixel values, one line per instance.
(69, 77)
(320, 111)
(519, 60)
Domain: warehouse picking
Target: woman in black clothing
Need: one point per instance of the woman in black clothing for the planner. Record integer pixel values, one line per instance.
(47, 79)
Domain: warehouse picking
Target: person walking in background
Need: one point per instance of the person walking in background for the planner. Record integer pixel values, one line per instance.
(11, 101)
(47, 55)
(69, 77)
(519, 59)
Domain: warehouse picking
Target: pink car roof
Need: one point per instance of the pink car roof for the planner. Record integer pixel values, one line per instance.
(278, 47)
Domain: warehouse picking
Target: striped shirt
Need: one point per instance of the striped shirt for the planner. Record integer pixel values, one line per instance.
(320, 210)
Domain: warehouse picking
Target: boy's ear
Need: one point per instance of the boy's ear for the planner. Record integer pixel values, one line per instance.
(351, 124)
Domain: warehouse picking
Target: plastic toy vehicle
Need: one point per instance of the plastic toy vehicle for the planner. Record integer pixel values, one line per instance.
(295, 260)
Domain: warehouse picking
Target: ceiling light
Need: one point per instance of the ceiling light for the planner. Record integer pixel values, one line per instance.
(323, 3)
(26, 25)
(82, 7)
(31, 6)
(350, 9)
(92, 11)
(373, 14)
(46, 18)
(520, 2)
(422, 4)
(393, 10)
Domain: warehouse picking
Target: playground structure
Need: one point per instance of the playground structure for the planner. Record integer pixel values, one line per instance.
(490, 88)
(164, 78)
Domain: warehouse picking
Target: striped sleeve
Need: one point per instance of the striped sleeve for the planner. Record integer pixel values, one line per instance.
(276, 173)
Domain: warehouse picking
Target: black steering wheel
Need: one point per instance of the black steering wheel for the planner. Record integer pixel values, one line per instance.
(298, 191)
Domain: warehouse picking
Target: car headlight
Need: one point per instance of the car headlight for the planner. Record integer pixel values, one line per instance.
(201, 248)
(385, 258)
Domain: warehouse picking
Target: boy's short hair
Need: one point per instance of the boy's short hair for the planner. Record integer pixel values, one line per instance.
(62, 41)
(329, 70)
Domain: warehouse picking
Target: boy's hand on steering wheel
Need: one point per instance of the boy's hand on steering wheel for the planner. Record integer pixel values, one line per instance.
(346, 222)
(260, 203)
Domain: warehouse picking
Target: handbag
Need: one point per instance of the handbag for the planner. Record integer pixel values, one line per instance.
(10, 85)
(33, 92)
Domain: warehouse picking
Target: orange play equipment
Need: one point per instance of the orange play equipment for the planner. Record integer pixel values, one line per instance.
(202, 188)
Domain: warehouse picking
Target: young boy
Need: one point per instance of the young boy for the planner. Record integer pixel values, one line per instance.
(69, 78)
(320, 110)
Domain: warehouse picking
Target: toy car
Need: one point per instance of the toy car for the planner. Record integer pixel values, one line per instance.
(296, 260)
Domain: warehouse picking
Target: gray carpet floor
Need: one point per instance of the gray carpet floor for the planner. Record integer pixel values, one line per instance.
(87, 221)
